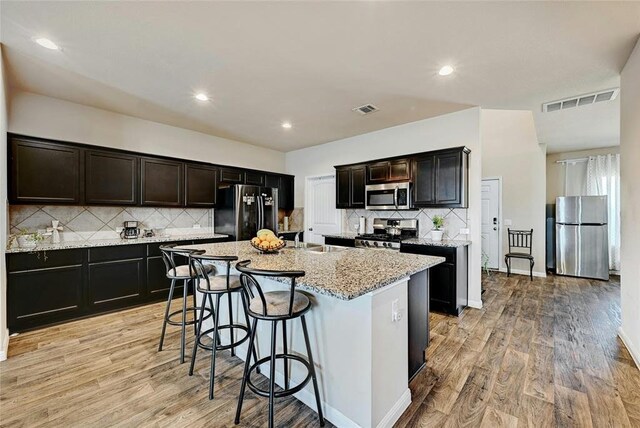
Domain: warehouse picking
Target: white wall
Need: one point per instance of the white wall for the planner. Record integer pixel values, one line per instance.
(450, 130)
(555, 171)
(41, 116)
(630, 202)
(4, 223)
(510, 150)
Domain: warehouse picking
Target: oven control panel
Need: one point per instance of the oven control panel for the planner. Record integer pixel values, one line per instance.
(377, 245)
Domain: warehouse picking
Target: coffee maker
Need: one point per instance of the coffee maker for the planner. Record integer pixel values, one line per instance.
(130, 230)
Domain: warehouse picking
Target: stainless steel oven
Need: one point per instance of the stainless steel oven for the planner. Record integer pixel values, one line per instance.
(388, 196)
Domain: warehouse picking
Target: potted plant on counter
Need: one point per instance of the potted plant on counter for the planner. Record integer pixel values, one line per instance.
(436, 232)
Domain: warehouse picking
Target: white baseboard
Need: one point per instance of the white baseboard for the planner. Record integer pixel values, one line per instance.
(4, 346)
(635, 353)
(477, 304)
(524, 272)
(396, 411)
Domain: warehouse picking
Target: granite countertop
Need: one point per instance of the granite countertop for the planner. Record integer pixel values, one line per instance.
(345, 235)
(444, 243)
(113, 242)
(344, 274)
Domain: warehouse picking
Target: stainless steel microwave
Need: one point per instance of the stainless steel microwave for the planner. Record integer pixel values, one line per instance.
(388, 196)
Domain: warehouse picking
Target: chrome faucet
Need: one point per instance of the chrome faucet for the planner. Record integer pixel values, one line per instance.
(296, 240)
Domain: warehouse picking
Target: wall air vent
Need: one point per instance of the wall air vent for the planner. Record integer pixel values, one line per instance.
(582, 100)
(366, 109)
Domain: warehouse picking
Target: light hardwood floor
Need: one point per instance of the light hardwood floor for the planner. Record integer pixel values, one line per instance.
(541, 353)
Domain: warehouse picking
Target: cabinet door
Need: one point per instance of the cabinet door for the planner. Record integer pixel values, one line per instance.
(286, 193)
(254, 178)
(400, 170)
(423, 181)
(343, 187)
(201, 185)
(378, 172)
(231, 176)
(43, 296)
(447, 178)
(44, 173)
(442, 288)
(115, 283)
(162, 182)
(111, 178)
(358, 174)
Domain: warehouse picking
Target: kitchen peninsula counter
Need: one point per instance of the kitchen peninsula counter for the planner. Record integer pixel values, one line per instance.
(368, 325)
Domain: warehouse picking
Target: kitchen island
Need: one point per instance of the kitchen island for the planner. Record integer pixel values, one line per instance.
(360, 325)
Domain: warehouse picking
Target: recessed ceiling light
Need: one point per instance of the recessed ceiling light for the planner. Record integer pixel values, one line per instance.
(446, 70)
(286, 125)
(202, 96)
(46, 43)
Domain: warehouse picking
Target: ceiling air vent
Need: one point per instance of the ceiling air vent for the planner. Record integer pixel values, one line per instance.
(366, 109)
(582, 100)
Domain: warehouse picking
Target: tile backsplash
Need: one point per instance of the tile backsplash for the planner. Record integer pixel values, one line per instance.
(91, 223)
(454, 220)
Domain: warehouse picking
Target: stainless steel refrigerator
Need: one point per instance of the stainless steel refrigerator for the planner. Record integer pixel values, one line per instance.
(582, 237)
(241, 210)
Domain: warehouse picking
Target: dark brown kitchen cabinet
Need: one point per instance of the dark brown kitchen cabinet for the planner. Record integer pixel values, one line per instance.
(285, 186)
(350, 186)
(389, 171)
(201, 184)
(230, 176)
(254, 178)
(161, 182)
(44, 173)
(111, 178)
(448, 281)
(440, 179)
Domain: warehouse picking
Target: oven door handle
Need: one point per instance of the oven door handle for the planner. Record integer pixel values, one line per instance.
(395, 197)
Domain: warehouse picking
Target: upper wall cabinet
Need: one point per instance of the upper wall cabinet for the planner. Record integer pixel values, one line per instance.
(350, 186)
(254, 178)
(201, 184)
(161, 182)
(44, 173)
(285, 186)
(111, 178)
(389, 171)
(229, 176)
(440, 179)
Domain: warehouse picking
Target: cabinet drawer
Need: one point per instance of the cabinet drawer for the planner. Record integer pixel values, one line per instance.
(119, 252)
(42, 260)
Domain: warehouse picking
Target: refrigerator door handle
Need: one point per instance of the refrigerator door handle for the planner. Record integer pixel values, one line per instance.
(260, 212)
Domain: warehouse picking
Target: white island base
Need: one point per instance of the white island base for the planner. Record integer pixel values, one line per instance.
(360, 351)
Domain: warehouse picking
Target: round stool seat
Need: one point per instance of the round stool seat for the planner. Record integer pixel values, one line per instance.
(184, 272)
(278, 304)
(218, 284)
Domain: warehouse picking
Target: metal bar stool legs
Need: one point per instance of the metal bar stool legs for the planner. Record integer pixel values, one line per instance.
(166, 314)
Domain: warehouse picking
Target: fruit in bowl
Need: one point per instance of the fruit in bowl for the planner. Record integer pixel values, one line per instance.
(267, 241)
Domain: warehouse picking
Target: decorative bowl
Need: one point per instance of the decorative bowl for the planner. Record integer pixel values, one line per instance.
(270, 250)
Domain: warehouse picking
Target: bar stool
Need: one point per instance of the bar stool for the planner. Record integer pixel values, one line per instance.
(275, 306)
(218, 285)
(186, 274)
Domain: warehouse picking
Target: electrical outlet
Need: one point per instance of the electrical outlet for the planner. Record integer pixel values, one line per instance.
(464, 231)
(395, 313)
(196, 225)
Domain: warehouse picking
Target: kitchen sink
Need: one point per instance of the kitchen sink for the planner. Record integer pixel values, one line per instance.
(325, 249)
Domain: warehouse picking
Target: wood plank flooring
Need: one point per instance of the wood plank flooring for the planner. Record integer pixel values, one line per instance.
(541, 353)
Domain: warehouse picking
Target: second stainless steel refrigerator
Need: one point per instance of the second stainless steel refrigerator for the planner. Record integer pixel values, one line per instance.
(582, 237)
(242, 210)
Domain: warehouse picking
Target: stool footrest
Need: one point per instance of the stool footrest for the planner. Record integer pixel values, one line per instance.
(283, 392)
(189, 322)
(241, 327)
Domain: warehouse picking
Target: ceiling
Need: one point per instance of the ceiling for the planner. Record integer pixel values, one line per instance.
(310, 63)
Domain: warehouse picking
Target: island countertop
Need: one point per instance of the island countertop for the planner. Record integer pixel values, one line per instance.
(344, 274)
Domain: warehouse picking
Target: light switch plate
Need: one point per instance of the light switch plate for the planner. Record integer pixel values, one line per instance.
(464, 231)
(507, 222)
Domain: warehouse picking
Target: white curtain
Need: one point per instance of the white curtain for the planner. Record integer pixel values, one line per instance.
(603, 178)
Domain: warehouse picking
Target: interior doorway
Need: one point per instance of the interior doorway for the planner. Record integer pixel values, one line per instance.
(491, 222)
(321, 216)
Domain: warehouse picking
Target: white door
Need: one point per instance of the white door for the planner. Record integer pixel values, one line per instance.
(321, 215)
(491, 223)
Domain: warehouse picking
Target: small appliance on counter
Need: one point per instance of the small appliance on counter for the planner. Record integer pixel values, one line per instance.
(148, 233)
(130, 230)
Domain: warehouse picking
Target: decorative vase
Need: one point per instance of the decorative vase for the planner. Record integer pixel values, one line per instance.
(436, 235)
(27, 242)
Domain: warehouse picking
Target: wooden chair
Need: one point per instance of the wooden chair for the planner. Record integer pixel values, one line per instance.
(519, 240)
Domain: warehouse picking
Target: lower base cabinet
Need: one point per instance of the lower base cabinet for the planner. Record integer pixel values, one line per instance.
(62, 285)
(448, 281)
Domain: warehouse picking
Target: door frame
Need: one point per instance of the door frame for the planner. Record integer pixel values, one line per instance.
(500, 221)
(307, 180)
